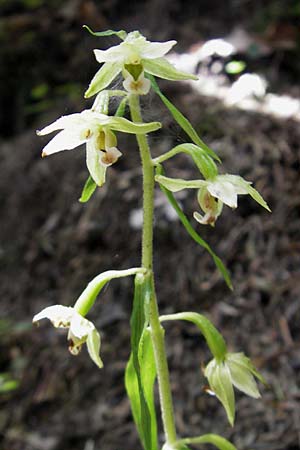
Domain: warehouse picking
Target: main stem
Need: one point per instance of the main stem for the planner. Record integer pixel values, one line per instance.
(157, 332)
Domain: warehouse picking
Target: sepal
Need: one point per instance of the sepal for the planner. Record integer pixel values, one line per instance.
(161, 68)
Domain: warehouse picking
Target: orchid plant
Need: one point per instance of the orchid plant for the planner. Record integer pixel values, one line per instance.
(138, 62)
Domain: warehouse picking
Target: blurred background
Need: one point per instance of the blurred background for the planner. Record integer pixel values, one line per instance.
(246, 106)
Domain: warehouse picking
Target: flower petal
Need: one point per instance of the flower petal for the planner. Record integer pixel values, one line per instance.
(152, 50)
(219, 379)
(71, 120)
(103, 78)
(112, 54)
(80, 327)
(243, 379)
(93, 345)
(224, 191)
(60, 316)
(161, 68)
(65, 140)
(97, 170)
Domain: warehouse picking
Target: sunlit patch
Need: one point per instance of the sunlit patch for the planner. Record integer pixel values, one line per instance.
(248, 91)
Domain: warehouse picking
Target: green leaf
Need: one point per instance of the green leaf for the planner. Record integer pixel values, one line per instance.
(121, 108)
(194, 235)
(121, 34)
(161, 68)
(182, 120)
(217, 441)
(121, 124)
(88, 190)
(214, 339)
(141, 369)
(103, 78)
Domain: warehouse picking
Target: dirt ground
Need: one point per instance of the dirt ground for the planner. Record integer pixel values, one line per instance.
(51, 245)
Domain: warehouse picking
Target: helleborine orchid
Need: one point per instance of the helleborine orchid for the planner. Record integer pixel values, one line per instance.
(236, 370)
(81, 330)
(96, 130)
(213, 193)
(134, 55)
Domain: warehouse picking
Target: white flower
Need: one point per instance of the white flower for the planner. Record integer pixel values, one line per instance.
(81, 330)
(96, 130)
(236, 370)
(133, 50)
(213, 193)
(134, 55)
(212, 196)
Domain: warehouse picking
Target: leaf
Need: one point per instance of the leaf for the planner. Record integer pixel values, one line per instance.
(141, 370)
(121, 34)
(217, 441)
(212, 336)
(88, 190)
(161, 68)
(103, 78)
(182, 120)
(194, 235)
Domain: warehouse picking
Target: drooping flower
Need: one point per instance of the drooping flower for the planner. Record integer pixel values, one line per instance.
(135, 55)
(236, 370)
(213, 193)
(81, 330)
(96, 130)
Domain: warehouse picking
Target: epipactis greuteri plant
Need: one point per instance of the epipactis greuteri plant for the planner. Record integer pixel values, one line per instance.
(138, 61)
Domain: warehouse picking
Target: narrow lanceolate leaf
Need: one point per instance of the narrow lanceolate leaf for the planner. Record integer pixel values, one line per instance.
(182, 121)
(103, 78)
(214, 439)
(160, 67)
(212, 336)
(88, 190)
(194, 235)
(140, 371)
(121, 34)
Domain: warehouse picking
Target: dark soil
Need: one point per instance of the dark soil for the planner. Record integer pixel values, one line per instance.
(51, 245)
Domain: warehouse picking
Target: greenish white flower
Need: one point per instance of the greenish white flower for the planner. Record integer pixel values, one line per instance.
(81, 330)
(134, 55)
(96, 130)
(235, 370)
(213, 193)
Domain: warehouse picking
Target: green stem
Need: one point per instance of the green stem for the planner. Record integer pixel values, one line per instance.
(157, 333)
